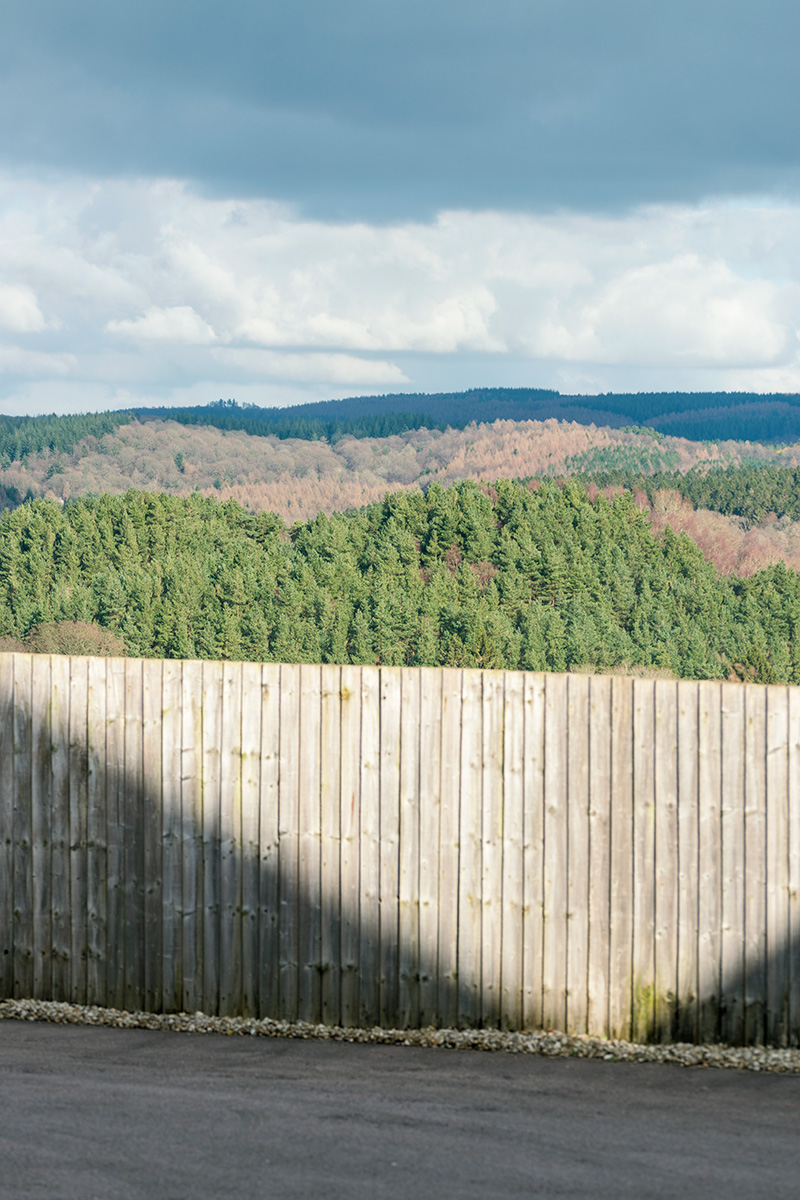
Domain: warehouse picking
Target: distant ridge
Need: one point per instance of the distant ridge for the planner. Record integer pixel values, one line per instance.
(706, 416)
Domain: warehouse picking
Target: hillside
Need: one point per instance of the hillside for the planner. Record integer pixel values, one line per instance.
(298, 478)
(543, 576)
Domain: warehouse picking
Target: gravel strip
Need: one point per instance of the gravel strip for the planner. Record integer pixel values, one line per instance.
(550, 1043)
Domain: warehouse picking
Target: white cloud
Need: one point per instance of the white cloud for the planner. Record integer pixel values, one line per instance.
(16, 360)
(212, 295)
(19, 310)
(310, 368)
(179, 325)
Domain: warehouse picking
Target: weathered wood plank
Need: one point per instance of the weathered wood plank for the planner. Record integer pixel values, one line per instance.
(599, 853)
(666, 859)
(794, 866)
(78, 768)
(191, 734)
(578, 866)
(212, 832)
(755, 859)
(643, 1006)
(370, 849)
(41, 801)
(6, 825)
(408, 963)
(133, 840)
(330, 791)
(733, 885)
(116, 831)
(310, 882)
(492, 850)
(153, 825)
(97, 867)
(710, 859)
(621, 897)
(449, 847)
(350, 863)
(688, 861)
(172, 839)
(288, 841)
(61, 948)
(429, 833)
(554, 968)
(533, 854)
(512, 849)
(269, 849)
(469, 896)
(777, 865)
(251, 850)
(230, 875)
(391, 695)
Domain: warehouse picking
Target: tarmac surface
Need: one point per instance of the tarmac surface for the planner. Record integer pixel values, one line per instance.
(107, 1114)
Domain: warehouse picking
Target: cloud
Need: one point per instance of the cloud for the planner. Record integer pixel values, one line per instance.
(178, 325)
(152, 290)
(311, 368)
(19, 310)
(389, 112)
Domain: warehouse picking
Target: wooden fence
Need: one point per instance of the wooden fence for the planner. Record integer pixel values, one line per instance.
(364, 845)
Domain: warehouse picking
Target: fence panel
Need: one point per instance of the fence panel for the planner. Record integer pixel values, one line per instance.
(403, 846)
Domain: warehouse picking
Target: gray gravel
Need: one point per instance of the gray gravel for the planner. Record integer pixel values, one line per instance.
(551, 1044)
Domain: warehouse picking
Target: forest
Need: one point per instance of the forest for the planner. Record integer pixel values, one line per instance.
(548, 575)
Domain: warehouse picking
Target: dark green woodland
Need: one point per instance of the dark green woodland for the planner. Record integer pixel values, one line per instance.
(534, 576)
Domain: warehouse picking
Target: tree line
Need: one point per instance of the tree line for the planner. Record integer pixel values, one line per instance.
(536, 576)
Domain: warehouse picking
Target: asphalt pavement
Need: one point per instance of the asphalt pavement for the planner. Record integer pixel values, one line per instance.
(106, 1114)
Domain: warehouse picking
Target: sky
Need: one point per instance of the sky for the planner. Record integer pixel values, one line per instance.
(283, 202)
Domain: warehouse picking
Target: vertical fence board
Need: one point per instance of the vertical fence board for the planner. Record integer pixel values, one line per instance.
(556, 880)
(643, 1001)
(513, 833)
(172, 839)
(390, 684)
(533, 853)
(408, 967)
(732, 965)
(230, 884)
(60, 855)
(621, 897)
(710, 859)
(96, 835)
(330, 791)
(578, 751)
(115, 831)
(350, 863)
(309, 879)
(6, 825)
(449, 848)
(492, 850)
(777, 865)
(369, 842)
(133, 823)
(251, 849)
(78, 818)
(153, 823)
(794, 865)
(599, 853)
(41, 802)
(269, 844)
(666, 859)
(192, 835)
(211, 773)
(469, 895)
(429, 834)
(755, 852)
(688, 861)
